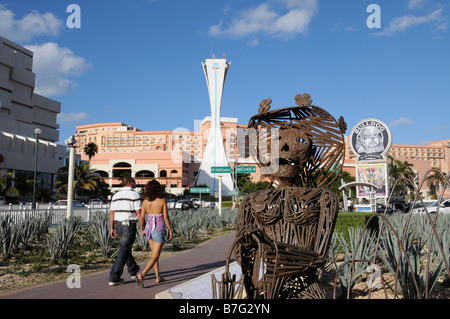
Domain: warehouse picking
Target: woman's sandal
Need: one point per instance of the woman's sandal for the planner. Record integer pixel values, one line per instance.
(140, 281)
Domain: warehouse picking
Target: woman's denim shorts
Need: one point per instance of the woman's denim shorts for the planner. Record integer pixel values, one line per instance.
(157, 235)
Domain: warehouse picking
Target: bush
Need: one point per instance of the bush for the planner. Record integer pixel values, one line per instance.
(346, 220)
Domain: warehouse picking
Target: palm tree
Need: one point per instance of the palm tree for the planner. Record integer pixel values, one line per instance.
(84, 179)
(5, 184)
(346, 177)
(400, 169)
(437, 178)
(90, 150)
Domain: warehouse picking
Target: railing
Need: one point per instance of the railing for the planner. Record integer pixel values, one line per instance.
(44, 206)
(56, 215)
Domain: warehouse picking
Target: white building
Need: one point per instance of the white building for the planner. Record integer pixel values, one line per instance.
(21, 112)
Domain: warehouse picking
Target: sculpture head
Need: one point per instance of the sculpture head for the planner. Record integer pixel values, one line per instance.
(297, 146)
(294, 151)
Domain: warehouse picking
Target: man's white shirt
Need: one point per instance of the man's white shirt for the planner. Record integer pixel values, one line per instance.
(125, 203)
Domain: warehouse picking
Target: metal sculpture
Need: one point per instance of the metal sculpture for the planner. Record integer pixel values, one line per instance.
(283, 233)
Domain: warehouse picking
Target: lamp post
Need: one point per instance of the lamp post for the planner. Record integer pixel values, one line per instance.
(170, 185)
(70, 142)
(37, 131)
(220, 194)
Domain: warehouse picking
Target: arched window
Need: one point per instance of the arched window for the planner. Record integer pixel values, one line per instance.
(145, 173)
(163, 173)
(121, 169)
(102, 173)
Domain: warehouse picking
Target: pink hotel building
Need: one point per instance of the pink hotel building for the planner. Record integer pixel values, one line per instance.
(173, 157)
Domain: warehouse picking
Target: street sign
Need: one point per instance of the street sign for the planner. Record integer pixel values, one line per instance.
(201, 190)
(245, 169)
(220, 169)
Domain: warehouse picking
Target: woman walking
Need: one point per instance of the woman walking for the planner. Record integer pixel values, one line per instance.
(155, 207)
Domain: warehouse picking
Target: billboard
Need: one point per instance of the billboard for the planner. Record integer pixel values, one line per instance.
(371, 140)
(375, 174)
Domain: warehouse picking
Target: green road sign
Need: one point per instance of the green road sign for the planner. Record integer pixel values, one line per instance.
(204, 190)
(220, 169)
(245, 169)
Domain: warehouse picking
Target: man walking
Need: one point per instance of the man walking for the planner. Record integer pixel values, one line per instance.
(124, 213)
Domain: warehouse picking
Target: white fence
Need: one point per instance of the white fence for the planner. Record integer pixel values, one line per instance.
(19, 214)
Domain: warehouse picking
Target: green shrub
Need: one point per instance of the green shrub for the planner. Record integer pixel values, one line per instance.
(345, 220)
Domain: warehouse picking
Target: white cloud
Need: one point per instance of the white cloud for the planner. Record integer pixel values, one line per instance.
(55, 68)
(415, 4)
(32, 25)
(402, 121)
(408, 21)
(441, 127)
(72, 117)
(253, 43)
(265, 19)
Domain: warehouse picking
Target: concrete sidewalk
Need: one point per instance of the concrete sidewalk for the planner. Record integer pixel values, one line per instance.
(176, 269)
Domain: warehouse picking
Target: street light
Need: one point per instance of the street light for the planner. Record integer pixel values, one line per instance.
(37, 131)
(170, 185)
(70, 142)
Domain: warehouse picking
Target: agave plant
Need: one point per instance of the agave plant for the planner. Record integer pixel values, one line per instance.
(141, 240)
(357, 253)
(29, 229)
(102, 235)
(61, 238)
(403, 252)
(9, 235)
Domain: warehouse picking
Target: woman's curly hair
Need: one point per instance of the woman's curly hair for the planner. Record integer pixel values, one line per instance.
(153, 190)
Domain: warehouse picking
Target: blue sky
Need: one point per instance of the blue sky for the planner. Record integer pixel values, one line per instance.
(139, 61)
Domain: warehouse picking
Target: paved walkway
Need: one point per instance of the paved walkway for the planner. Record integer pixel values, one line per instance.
(176, 269)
